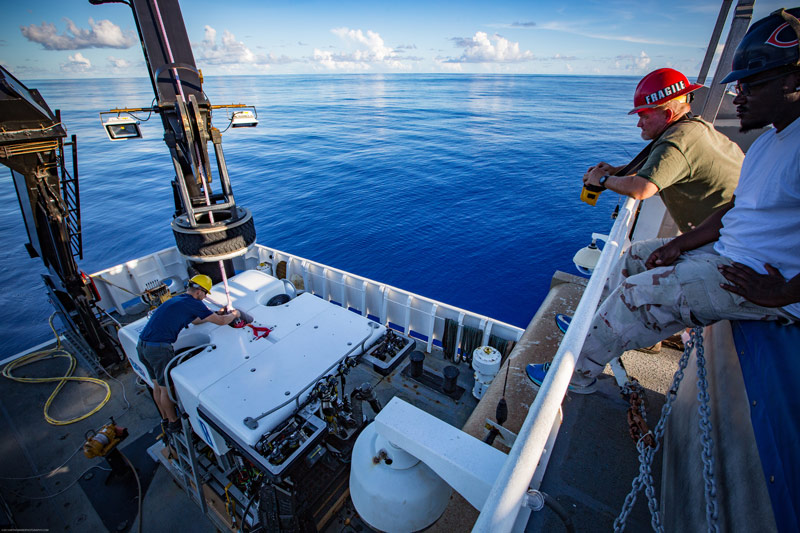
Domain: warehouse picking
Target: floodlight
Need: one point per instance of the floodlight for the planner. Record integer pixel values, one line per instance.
(587, 257)
(122, 128)
(244, 119)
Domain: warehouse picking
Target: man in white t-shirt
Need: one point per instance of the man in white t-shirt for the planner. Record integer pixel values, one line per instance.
(743, 262)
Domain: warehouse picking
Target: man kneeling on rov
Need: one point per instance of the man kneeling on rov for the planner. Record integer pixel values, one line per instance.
(156, 339)
(743, 262)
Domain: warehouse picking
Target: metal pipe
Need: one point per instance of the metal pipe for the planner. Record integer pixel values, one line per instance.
(712, 45)
(505, 500)
(741, 20)
(178, 359)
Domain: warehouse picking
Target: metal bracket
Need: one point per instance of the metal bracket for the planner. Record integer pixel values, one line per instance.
(508, 437)
(533, 500)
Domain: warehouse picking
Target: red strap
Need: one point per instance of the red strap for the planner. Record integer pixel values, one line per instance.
(261, 332)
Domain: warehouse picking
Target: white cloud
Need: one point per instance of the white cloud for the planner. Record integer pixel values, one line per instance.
(232, 54)
(642, 61)
(375, 50)
(451, 67)
(102, 34)
(631, 62)
(332, 61)
(119, 64)
(482, 48)
(369, 50)
(24, 71)
(576, 29)
(76, 64)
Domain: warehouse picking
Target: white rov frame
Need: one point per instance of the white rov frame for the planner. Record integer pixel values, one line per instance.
(422, 318)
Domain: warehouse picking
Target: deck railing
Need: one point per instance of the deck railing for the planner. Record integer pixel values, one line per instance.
(506, 498)
(422, 318)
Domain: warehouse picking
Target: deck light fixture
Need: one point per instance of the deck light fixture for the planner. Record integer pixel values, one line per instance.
(244, 119)
(587, 257)
(122, 128)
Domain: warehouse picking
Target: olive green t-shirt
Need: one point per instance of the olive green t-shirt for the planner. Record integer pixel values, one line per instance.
(696, 168)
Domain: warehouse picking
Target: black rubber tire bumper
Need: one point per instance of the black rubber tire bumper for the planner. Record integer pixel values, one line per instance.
(218, 241)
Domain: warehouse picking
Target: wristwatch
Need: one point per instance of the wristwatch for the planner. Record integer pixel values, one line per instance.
(603, 181)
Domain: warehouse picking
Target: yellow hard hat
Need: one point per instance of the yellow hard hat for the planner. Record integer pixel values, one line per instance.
(202, 281)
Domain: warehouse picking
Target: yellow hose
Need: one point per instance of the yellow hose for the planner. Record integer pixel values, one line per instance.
(58, 351)
(230, 506)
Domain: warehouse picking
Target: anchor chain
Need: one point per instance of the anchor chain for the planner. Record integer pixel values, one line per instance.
(633, 393)
(712, 513)
(649, 442)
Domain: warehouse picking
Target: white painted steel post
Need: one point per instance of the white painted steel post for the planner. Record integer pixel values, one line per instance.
(430, 331)
(306, 277)
(505, 499)
(486, 327)
(384, 306)
(457, 357)
(363, 298)
(407, 320)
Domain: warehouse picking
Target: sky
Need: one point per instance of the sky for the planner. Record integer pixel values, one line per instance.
(46, 39)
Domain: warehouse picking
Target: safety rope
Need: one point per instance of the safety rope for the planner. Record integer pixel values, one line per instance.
(120, 287)
(58, 351)
(647, 451)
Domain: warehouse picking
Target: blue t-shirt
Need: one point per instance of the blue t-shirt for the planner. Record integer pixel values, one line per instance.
(171, 317)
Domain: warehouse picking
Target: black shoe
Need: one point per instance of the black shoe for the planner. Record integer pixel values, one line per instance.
(675, 342)
(174, 427)
(656, 348)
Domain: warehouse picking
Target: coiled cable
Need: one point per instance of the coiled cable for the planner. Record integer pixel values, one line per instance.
(58, 351)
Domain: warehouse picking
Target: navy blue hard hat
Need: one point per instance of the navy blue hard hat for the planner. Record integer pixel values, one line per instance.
(769, 43)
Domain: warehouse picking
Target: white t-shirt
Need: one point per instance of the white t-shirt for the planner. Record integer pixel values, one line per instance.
(764, 224)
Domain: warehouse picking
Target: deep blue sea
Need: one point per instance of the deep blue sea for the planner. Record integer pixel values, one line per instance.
(462, 188)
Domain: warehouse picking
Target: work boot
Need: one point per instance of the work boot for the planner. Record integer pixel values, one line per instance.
(656, 348)
(563, 322)
(174, 427)
(581, 382)
(675, 342)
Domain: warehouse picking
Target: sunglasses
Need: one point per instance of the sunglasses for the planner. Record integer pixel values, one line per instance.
(190, 285)
(743, 88)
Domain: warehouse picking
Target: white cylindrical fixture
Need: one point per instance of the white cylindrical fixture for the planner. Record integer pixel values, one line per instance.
(486, 363)
(586, 258)
(392, 490)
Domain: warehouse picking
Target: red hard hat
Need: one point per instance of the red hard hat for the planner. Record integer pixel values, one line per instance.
(659, 87)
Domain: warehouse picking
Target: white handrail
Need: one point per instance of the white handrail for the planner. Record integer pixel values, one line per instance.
(505, 499)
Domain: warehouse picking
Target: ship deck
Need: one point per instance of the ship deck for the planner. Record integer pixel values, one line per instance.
(589, 471)
(71, 493)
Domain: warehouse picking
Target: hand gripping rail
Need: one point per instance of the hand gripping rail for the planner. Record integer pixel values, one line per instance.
(505, 500)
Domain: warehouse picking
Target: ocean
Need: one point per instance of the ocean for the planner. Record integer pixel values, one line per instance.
(461, 188)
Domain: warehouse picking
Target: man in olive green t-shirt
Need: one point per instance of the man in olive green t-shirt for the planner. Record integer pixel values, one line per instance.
(691, 165)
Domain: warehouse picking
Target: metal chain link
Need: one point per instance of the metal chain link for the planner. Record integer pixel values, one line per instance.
(703, 410)
(646, 453)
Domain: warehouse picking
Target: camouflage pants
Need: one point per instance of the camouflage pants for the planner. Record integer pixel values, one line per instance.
(650, 305)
